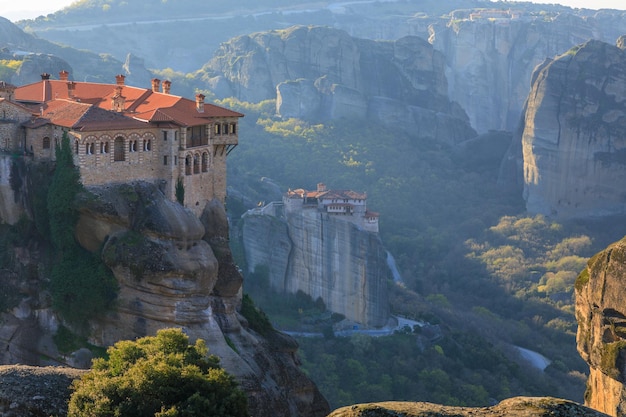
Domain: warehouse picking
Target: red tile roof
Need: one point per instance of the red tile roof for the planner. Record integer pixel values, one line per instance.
(140, 103)
(82, 116)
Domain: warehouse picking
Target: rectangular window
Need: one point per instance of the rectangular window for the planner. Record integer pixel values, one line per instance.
(175, 160)
(165, 160)
(165, 135)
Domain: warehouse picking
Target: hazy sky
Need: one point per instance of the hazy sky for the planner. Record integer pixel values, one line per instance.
(26, 9)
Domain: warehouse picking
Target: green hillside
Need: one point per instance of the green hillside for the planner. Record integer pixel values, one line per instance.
(490, 276)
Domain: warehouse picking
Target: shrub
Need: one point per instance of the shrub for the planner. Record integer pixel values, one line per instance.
(157, 376)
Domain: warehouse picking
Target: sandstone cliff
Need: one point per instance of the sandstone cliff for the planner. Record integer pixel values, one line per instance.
(173, 270)
(601, 337)
(573, 138)
(321, 73)
(323, 257)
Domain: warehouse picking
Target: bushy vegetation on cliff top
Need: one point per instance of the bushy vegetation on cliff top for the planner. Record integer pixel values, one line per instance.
(160, 376)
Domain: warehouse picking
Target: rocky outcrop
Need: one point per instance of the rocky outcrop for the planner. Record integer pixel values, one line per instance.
(323, 257)
(29, 391)
(573, 147)
(173, 270)
(601, 337)
(319, 73)
(518, 406)
(176, 270)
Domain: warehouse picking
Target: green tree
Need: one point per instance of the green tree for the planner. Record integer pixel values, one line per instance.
(157, 376)
(61, 197)
(81, 285)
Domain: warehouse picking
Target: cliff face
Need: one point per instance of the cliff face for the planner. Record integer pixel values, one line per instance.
(173, 270)
(323, 257)
(321, 73)
(601, 337)
(491, 61)
(573, 144)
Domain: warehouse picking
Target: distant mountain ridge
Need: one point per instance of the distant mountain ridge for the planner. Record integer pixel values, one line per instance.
(36, 56)
(489, 62)
(320, 73)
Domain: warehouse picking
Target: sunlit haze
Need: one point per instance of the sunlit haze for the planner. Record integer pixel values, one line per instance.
(30, 9)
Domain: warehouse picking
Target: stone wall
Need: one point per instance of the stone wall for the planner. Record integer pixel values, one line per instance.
(156, 155)
(11, 115)
(10, 208)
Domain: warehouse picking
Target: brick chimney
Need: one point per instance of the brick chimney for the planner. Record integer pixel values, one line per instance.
(63, 75)
(200, 103)
(71, 87)
(155, 85)
(118, 101)
(167, 84)
(46, 93)
(119, 79)
(321, 187)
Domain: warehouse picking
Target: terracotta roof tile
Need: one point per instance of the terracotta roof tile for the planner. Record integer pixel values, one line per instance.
(82, 116)
(140, 103)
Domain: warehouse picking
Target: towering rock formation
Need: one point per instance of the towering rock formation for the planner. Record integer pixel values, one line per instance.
(321, 73)
(601, 337)
(324, 257)
(574, 152)
(173, 270)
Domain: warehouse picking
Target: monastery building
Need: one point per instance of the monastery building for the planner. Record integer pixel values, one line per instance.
(342, 204)
(121, 133)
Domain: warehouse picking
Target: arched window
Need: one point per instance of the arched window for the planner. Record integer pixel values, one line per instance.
(196, 164)
(76, 147)
(89, 149)
(188, 163)
(147, 145)
(119, 153)
(46, 142)
(205, 162)
(104, 147)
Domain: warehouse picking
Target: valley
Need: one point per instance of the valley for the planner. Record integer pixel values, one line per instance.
(486, 138)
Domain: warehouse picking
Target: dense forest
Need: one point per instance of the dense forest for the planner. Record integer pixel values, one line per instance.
(474, 264)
